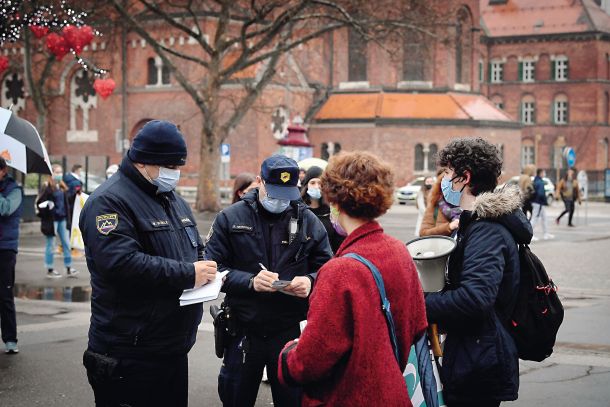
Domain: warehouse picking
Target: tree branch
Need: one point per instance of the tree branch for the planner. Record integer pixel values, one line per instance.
(184, 82)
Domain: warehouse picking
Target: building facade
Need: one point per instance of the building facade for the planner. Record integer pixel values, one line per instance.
(547, 66)
(403, 106)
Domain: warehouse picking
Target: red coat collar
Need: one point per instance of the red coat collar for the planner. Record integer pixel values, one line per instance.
(360, 233)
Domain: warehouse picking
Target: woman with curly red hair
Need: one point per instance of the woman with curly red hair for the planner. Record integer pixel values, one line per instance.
(345, 352)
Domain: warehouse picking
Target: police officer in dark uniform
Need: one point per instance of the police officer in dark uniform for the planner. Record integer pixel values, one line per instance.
(143, 249)
(269, 235)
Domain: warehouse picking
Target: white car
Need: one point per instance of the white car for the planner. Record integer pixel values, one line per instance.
(409, 191)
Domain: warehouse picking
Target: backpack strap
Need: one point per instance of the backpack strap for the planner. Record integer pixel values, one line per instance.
(385, 303)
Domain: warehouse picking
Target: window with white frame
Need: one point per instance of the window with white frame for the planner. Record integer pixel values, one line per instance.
(158, 72)
(528, 155)
(498, 101)
(528, 70)
(528, 110)
(560, 70)
(496, 73)
(560, 109)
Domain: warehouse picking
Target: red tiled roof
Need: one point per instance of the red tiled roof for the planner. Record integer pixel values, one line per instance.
(537, 17)
(430, 106)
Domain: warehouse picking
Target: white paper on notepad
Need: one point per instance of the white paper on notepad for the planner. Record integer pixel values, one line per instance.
(205, 293)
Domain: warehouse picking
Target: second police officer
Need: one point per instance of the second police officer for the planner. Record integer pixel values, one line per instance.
(269, 235)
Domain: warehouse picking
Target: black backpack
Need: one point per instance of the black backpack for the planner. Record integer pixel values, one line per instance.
(538, 313)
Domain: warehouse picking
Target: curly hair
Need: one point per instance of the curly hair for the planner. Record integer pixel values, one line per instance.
(476, 156)
(359, 183)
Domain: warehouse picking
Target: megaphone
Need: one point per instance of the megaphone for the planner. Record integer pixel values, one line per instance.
(430, 255)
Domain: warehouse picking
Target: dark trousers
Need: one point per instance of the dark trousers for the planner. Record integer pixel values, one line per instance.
(476, 404)
(158, 382)
(242, 369)
(569, 204)
(8, 320)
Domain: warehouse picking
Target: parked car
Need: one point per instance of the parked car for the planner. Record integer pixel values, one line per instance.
(93, 181)
(549, 187)
(409, 191)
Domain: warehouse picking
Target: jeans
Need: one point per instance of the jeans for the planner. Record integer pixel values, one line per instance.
(569, 204)
(8, 321)
(242, 369)
(539, 213)
(62, 232)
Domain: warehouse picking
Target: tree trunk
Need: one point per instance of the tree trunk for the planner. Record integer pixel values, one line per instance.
(41, 121)
(208, 192)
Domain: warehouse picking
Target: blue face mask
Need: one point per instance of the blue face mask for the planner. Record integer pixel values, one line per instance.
(314, 193)
(167, 179)
(275, 205)
(451, 196)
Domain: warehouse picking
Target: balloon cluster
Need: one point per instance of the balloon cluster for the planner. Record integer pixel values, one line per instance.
(3, 64)
(71, 38)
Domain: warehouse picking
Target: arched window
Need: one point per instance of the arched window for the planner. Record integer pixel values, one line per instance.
(528, 110)
(356, 57)
(419, 157)
(415, 56)
(463, 46)
(152, 72)
(432, 150)
(560, 112)
(498, 101)
(528, 153)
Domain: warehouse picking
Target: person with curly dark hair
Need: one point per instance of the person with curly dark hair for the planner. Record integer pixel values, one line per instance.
(480, 362)
(345, 352)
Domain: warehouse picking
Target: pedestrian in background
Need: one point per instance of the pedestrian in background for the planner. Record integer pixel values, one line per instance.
(74, 179)
(244, 183)
(539, 204)
(143, 249)
(11, 197)
(54, 198)
(440, 217)
(569, 191)
(526, 185)
(111, 170)
(421, 202)
(269, 235)
(480, 361)
(345, 356)
(312, 196)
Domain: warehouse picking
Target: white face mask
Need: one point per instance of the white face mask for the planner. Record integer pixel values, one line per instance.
(167, 179)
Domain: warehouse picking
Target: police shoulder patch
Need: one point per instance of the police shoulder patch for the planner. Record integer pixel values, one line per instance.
(106, 223)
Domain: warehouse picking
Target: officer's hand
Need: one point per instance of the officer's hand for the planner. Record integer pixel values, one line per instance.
(205, 271)
(300, 286)
(264, 280)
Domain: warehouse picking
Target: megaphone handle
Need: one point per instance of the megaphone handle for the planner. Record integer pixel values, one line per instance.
(434, 343)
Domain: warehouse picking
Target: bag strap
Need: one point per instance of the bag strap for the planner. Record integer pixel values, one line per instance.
(385, 303)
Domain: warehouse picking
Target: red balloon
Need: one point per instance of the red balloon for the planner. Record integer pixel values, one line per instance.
(57, 45)
(39, 31)
(104, 87)
(3, 64)
(77, 38)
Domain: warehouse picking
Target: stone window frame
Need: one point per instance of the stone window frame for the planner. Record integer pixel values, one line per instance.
(424, 161)
(498, 101)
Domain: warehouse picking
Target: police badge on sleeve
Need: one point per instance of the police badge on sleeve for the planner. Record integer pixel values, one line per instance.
(107, 223)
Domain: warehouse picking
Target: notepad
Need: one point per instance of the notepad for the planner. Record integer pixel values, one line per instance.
(208, 292)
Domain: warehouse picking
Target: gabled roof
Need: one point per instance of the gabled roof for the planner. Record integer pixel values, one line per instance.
(542, 17)
(440, 106)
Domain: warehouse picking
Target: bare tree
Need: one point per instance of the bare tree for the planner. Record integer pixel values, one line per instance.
(248, 34)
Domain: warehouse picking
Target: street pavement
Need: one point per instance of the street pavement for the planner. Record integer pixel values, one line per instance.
(53, 318)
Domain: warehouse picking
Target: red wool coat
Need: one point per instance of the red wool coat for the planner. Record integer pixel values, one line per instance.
(344, 356)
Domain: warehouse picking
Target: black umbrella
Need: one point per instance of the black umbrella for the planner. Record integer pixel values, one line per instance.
(21, 146)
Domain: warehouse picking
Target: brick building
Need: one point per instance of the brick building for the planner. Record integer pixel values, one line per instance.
(403, 107)
(547, 65)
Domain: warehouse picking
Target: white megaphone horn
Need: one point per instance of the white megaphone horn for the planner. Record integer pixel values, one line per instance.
(430, 255)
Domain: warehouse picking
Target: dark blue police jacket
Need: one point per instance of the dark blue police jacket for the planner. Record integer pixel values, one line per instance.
(238, 242)
(140, 247)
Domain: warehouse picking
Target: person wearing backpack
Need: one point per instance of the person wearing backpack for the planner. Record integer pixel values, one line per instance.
(480, 365)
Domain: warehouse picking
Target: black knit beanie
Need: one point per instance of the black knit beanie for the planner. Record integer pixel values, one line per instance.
(159, 142)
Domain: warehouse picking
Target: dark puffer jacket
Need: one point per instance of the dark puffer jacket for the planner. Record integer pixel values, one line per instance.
(480, 358)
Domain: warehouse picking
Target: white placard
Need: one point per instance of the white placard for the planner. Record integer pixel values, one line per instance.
(76, 237)
(13, 152)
